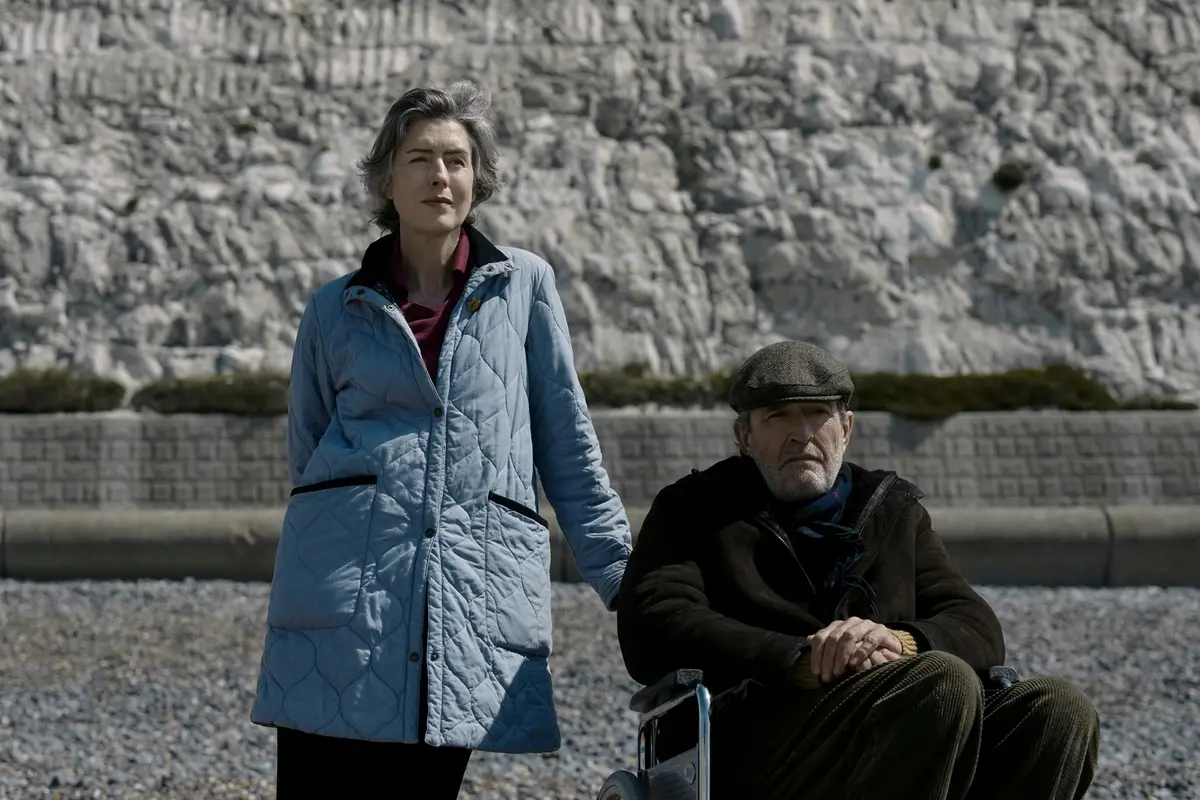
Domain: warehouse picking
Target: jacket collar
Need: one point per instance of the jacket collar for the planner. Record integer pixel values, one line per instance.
(742, 480)
(877, 497)
(375, 271)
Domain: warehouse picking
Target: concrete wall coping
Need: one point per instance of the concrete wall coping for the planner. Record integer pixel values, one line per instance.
(1080, 546)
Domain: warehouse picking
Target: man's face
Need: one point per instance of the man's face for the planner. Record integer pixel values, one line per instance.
(798, 447)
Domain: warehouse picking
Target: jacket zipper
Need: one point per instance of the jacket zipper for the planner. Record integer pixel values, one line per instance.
(778, 532)
(876, 500)
(872, 506)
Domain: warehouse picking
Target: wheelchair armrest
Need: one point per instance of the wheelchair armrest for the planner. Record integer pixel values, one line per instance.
(1001, 677)
(669, 687)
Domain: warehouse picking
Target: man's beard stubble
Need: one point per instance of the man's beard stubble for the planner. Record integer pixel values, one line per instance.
(807, 485)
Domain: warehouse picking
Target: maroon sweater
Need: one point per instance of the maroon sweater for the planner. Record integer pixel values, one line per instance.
(429, 324)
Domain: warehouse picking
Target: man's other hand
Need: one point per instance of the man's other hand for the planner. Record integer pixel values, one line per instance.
(853, 643)
(876, 659)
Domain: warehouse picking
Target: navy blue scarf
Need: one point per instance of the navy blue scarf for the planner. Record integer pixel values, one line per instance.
(820, 519)
(822, 516)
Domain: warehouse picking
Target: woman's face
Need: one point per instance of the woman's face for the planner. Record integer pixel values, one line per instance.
(432, 181)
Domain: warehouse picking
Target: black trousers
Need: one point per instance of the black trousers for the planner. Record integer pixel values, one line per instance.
(314, 767)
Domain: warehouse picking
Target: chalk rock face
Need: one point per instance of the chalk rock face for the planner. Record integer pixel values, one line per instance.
(705, 176)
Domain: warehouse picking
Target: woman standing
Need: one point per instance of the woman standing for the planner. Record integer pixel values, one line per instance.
(409, 618)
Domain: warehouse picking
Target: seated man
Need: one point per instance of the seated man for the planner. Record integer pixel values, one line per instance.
(842, 645)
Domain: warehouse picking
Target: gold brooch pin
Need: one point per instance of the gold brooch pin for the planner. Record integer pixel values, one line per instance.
(473, 305)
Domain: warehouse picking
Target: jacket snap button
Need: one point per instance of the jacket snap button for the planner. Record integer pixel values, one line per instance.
(430, 532)
(437, 412)
(414, 657)
(433, 657)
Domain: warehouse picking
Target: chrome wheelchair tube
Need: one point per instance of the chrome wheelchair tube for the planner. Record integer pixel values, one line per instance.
(704, 746)
(659, 711)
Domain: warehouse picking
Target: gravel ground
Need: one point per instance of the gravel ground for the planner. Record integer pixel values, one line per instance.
(143, 690)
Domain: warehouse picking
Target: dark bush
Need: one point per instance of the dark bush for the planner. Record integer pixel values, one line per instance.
(57, 391)
(635, 385)
(934, 162)
(929, 397)
(244, 394)
(1147, 403)
(912, 396)
(1008, 177)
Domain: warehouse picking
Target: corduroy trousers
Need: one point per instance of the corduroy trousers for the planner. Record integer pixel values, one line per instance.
(917, 728)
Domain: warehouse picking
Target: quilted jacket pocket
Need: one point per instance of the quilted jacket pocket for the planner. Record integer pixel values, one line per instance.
(518, 578)
(319, 563)
(336, 483)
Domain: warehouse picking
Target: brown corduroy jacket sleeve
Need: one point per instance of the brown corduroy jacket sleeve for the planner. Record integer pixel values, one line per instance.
(951, 616)
(665, 622)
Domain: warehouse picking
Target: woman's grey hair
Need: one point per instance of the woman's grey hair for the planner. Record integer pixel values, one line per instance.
(465, 103)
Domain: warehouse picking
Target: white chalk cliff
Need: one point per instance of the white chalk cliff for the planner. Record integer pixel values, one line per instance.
(177, 177)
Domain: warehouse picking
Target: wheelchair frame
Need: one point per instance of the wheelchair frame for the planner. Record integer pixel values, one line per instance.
(688, 775)
(694, 765)
(683, 776)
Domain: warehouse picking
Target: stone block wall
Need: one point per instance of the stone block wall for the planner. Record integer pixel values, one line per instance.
(124, 460)
(1022, 459)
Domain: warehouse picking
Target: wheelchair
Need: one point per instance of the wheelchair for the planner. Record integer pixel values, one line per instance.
(688, 775)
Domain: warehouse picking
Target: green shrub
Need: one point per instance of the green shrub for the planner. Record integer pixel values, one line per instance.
(913, 396)
(635, 385)
(244, 394)
(57, 391)
(930, 397)
(1147, 403)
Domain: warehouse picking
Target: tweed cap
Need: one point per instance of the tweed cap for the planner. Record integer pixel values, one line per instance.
(787, 372)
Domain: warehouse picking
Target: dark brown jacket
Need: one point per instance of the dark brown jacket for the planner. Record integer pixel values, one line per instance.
(713, 582)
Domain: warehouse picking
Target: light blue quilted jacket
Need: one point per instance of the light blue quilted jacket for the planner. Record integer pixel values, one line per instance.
(407, 491)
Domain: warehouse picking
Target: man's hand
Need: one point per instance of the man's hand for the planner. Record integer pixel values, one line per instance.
(853, 643)
(876, 659)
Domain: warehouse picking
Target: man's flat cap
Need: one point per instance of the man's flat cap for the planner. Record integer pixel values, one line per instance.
(787, 372)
